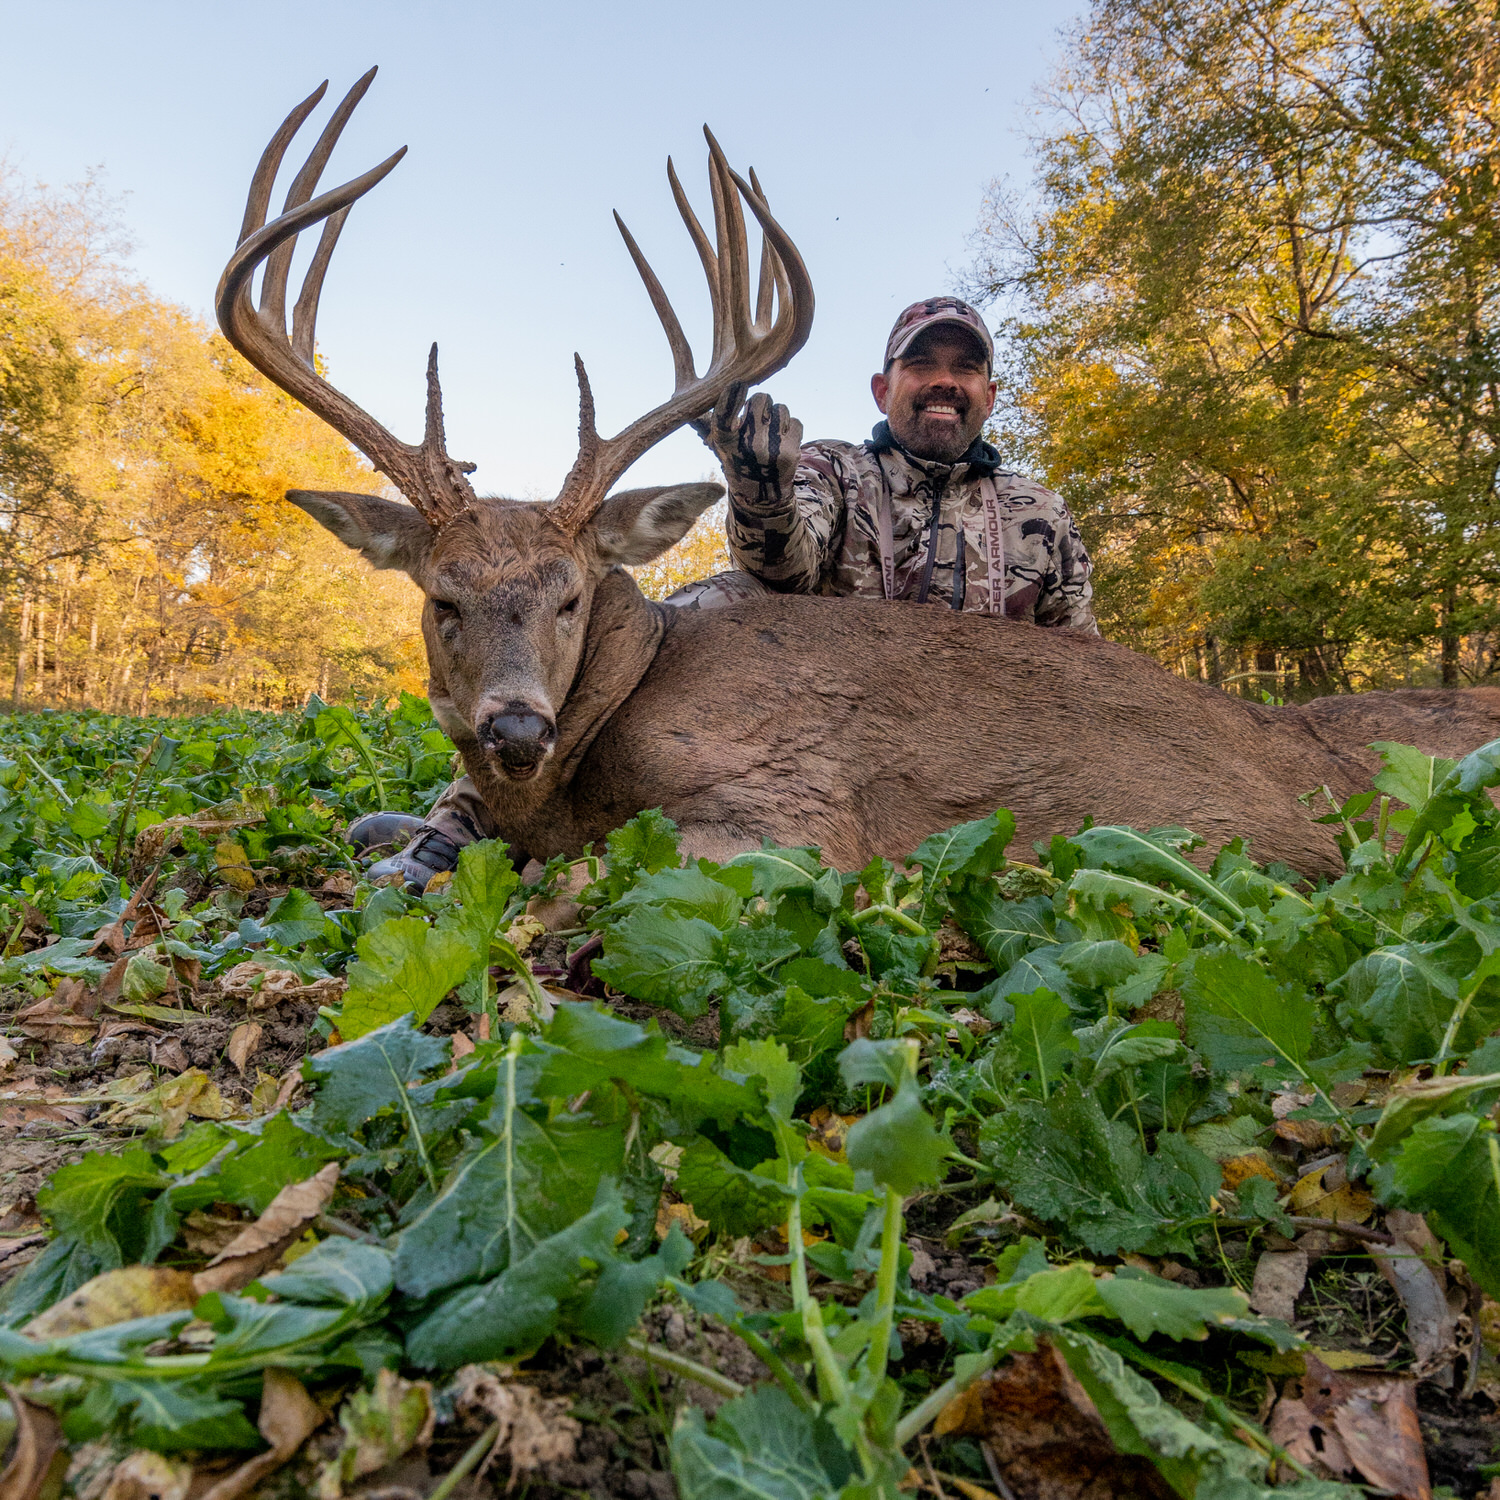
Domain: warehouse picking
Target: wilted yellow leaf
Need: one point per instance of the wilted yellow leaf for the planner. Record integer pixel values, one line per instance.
(234, 865)
(1348, 1205)
(114, 1297)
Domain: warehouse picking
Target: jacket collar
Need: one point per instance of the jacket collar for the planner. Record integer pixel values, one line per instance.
(980, 456)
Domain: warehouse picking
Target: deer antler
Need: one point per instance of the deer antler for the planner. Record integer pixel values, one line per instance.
(746, 348)
(432, 481)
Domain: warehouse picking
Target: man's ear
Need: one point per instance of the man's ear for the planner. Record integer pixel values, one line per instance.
(637, 525)
(384, 532)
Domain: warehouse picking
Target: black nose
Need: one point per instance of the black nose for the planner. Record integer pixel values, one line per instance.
(519, 736)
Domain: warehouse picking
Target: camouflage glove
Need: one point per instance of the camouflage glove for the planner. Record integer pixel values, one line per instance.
(759, 446)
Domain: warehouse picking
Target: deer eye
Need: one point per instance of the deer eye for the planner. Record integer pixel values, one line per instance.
(445, 610)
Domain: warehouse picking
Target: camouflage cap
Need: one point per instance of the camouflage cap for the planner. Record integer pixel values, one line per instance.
(930, 312)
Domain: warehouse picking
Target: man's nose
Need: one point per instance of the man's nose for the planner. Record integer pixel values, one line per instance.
(518, 733)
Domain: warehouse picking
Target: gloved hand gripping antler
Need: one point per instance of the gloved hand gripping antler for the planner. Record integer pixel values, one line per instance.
(759, 447)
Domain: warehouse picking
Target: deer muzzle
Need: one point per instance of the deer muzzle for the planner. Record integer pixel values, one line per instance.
(519, 737)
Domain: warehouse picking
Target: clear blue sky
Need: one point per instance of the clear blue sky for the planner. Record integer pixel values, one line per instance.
(875, 128)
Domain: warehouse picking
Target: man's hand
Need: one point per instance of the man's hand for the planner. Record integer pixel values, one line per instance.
(759, 447)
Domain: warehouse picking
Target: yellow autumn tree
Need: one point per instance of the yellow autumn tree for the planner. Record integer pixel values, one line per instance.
(148, 559)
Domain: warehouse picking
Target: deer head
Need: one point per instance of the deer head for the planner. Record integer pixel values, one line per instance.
(510, 586)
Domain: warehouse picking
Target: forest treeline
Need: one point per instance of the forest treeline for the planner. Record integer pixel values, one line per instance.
(147, 558)
(1251, 331)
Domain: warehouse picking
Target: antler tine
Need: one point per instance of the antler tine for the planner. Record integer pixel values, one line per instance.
(682, 354)
(279, 263)
(734, 256)
(743, 350)
(269, 165)
(695, 229)
(305, 313)
(425, 474)
(768, 278)
(796, 303)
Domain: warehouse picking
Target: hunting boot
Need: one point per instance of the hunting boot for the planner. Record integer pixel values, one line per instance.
(426, 853)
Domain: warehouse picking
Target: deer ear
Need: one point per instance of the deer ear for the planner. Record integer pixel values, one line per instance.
(637, 525)
(384, 532)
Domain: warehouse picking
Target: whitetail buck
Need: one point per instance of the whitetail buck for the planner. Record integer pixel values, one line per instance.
(857, 725)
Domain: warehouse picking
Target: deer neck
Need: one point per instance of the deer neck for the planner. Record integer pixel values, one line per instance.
(625, 629)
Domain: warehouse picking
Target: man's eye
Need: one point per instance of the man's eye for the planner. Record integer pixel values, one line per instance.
(570, 608)
(445, 610)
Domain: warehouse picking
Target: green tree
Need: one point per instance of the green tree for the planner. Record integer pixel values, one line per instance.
(1252, 329)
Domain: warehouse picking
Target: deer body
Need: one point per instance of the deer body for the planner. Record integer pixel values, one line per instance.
(789, 718)
(577, 703)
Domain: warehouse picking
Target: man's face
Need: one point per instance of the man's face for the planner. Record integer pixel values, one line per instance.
(937, 396)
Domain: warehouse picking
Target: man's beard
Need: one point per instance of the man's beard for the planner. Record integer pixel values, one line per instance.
(939, 442)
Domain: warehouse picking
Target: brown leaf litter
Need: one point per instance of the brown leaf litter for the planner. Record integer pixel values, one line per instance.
(1354, 1425)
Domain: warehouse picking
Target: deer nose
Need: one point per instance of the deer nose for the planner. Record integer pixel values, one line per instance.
(519, 736)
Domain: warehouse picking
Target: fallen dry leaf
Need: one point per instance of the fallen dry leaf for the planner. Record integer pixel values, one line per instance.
(1312, 1135)
(169, 1053)
(524, 932)
(60, 1017)
(113, 1297)
(857, 1027)
(261, 1244)
(1343, 1424)
(1254, 1163)
(1279, 1279)
(1414, 1267)
(1326, 1194)
(534, 1429)
(234, 865)
(830, 1131)
(1046, 1434)
(8, 1056)
(669, 1212)
(111, 937)
(39, 1454)
(263, 1096)
(244, 1042)
(462, 1047)
(378, 1426)
(288, 1417)
(206, 1233)
(144, 1475)
(167, 1107)
(260, 985)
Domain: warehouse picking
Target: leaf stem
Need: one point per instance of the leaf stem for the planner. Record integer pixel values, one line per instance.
(885, 1288)
(688, 1369)
(891, 914)
(140, 770)
(1441, 1061)
(461, 1470)
(830, 1376)
(927, 1410)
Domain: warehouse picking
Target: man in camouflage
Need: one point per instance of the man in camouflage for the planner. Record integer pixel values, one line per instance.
(922, 511)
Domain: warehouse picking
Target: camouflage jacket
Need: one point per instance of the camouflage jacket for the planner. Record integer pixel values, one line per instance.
(824, 538)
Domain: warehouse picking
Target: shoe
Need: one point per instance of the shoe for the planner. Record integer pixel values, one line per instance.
(381, 828)
(428, 854)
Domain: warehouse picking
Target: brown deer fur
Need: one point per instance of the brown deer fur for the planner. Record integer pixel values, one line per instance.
(852, 724)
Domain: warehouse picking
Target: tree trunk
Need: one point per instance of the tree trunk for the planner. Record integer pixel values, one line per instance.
(1211, 649)
(19, 691)
(1450, 638)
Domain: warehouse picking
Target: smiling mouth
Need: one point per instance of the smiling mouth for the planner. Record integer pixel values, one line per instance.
(942, 411)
